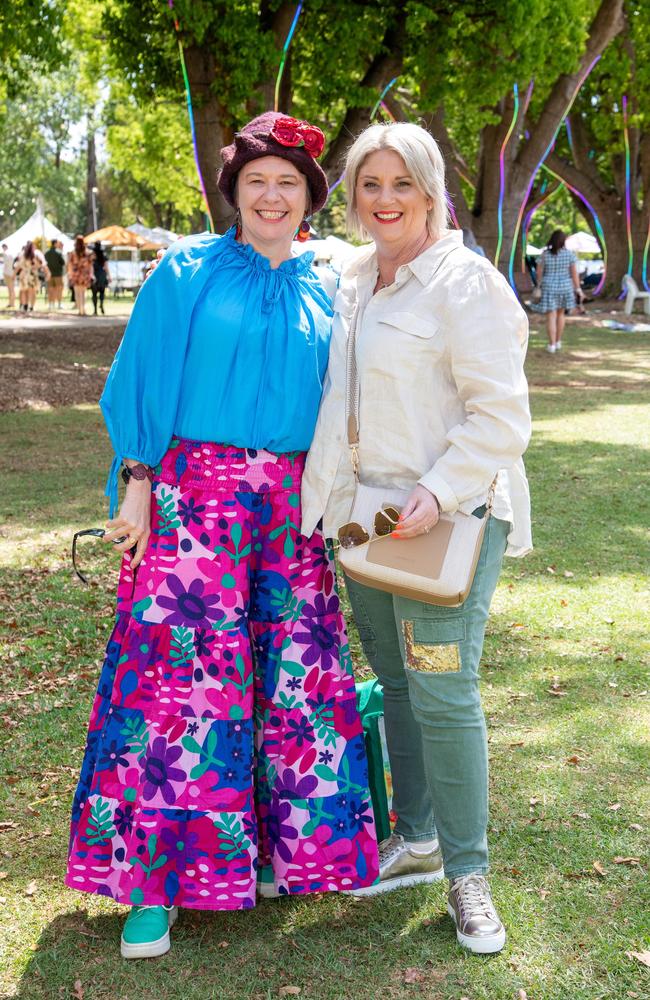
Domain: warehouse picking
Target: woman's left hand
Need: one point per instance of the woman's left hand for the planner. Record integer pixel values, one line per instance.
(419, 514)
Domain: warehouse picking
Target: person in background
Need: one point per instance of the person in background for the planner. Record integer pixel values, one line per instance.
(101, 277)
(56, 264)
(558, 279)
(469, 240)
(27, 269)
(80, 273)
(8, 275)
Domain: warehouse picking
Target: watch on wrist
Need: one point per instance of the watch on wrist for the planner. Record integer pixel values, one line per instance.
(139, 472)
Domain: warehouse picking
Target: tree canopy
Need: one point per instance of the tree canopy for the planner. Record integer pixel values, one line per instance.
(452, 67)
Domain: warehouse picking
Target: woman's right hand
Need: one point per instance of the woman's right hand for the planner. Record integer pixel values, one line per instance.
(133, 523)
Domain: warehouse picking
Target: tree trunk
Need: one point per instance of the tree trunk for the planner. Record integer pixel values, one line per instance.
(383, 68)
(522, 157)
(92, 216)
(279, 22)
(212, 132)
(609, 204)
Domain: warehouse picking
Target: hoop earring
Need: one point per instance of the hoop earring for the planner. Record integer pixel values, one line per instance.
(303, 231)
(237, 224)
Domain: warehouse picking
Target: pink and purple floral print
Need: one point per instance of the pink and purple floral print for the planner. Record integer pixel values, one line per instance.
(224, 734)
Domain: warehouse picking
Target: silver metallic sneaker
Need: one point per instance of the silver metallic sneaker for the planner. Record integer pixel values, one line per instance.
(400, 866)
(470, 906)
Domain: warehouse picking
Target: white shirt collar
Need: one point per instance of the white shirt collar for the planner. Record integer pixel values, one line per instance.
(364, 264)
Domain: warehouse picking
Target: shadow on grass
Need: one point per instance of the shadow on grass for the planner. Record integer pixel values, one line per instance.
(327, 947)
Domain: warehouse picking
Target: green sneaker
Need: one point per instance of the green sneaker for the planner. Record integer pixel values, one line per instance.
(146, 931)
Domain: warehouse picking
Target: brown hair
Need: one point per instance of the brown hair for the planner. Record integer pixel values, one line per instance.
(79, 246)
(557, 241)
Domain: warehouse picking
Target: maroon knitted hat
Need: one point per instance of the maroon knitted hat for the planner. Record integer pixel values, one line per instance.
(273, 134)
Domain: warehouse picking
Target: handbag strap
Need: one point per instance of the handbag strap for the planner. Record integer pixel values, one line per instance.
(352, 380)
(352, 394)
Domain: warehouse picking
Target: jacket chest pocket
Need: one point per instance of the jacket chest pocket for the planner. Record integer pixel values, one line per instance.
(404, 339)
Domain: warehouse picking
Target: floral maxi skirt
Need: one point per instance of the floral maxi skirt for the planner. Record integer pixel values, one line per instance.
(224, 735)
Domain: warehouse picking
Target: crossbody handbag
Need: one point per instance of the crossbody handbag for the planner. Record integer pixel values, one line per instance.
(437, 567)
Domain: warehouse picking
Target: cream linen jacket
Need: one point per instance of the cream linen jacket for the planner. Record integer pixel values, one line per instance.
(443, 396)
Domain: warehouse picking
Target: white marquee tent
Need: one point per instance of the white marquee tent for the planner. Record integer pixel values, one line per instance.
(38, 226)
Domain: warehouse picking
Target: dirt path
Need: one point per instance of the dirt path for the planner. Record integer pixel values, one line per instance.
(46, 363)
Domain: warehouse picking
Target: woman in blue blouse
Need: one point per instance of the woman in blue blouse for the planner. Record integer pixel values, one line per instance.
(224, 749)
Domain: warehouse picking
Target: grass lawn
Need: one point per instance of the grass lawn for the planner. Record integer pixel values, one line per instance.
(566, 691)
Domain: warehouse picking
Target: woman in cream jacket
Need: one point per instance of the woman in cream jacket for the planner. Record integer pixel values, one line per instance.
(443, 410)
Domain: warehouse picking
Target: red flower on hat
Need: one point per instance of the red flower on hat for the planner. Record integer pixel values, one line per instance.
(313, 138)
(292, 132)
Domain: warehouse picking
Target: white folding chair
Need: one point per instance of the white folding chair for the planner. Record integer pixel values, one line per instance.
(632, 292)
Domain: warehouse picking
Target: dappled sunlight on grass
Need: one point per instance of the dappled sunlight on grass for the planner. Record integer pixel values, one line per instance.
(565, 686)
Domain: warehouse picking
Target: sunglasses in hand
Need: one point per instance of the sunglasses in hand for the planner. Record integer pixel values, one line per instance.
(94, 533)
(385, 522)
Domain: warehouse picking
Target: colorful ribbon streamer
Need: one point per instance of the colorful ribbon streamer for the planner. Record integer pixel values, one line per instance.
(644, 266)
(628, 205)
(380, 99)
(379, 103)
(529, 188)
(502, 173)
(599, 229)
(190, 114)
(283, 59)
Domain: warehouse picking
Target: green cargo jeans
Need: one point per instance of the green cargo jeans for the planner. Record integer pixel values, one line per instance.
(427, 659)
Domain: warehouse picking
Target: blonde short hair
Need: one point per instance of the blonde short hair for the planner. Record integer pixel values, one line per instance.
(422, 158)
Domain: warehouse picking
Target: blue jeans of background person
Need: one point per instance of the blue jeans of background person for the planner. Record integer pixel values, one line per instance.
(427, 659)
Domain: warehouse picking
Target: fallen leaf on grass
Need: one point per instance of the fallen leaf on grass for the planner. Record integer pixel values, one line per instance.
(626, 861)
(641, 956)
(224, 944)
(568, 574)
(550, 569)
(533, 801)
(290, 991)
(575, 760)
(3, 874)
(413, 975)
(78, 991)
(8, 825)
(522, 995)
(543, 893)
(635, 826)
(614, 806)
(426, 922)
(598, 868)
(582, 815)
(31, 888)
(519, 743)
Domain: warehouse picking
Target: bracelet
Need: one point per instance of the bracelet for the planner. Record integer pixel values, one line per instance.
(139, 472)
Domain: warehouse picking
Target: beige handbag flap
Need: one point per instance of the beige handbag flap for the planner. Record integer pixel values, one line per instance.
(424, 555)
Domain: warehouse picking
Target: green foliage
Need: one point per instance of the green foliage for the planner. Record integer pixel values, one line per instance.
(35, 127)
(29, 28)
(151, 159)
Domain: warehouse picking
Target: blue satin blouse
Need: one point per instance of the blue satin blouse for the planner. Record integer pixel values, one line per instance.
(219, 347)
